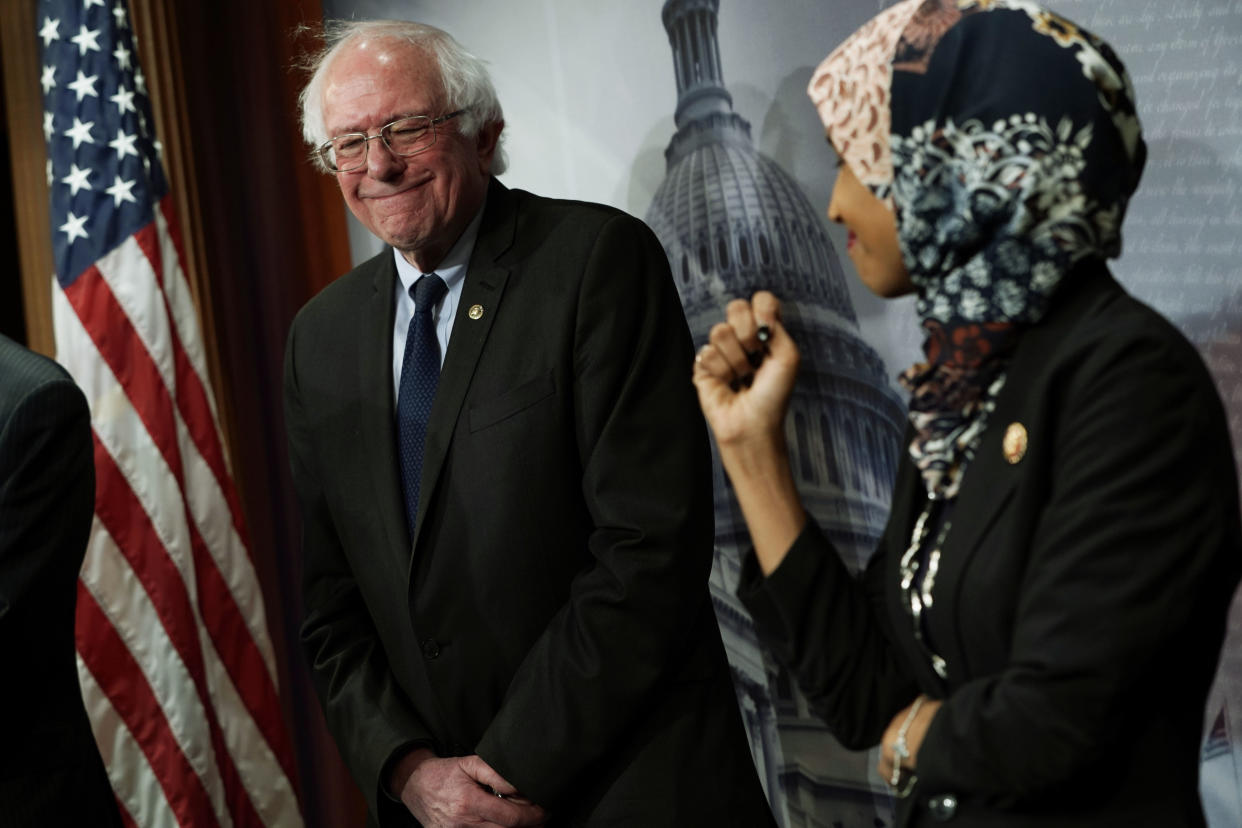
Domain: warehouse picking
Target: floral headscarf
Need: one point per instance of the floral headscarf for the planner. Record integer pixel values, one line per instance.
(1005, 139)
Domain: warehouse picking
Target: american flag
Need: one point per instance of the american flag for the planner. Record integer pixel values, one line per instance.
(174, 657)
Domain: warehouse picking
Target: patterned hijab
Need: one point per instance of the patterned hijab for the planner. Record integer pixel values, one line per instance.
(1005, 139)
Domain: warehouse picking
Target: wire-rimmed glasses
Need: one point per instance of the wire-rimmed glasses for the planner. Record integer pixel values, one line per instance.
(404, 136)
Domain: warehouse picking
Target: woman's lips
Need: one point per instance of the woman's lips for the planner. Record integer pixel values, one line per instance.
(849, 240)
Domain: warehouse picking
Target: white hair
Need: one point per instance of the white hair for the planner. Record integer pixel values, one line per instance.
(464, 77)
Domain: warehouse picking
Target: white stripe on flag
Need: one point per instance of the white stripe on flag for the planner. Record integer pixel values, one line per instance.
(133, 781)
(122, 433)
(108, 576)
(269, 789)
(128, 273)
(184, 313)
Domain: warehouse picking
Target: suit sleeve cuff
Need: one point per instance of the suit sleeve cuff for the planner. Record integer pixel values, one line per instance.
(386, 799)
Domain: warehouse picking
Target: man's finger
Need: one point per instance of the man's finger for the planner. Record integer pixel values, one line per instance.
(493, 797)
(478, 770)
(504, 811)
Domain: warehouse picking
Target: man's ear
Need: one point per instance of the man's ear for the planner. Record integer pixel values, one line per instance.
(487, 141)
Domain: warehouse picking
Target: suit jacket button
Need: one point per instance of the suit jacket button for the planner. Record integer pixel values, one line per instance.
(942, 807)
(431, 649)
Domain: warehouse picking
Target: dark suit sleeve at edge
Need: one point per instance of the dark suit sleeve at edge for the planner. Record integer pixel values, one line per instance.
(646, 482)
(47, 485)
(367, 713)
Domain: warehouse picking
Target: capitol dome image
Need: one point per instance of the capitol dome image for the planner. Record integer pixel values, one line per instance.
(732, 221)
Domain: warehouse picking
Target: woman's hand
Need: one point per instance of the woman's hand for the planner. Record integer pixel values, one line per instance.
(914, 731)
(744, 385)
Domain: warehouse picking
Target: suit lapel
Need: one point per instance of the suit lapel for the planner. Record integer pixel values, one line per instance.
(375, 390)
(484, 287)
(991, 478)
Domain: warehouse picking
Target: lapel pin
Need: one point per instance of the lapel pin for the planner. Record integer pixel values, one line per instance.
(1014, 444)
(475, 312)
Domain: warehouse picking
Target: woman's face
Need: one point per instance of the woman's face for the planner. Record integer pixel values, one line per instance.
(872, 241)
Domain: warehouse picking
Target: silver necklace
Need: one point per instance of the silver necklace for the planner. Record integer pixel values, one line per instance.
(918, 599)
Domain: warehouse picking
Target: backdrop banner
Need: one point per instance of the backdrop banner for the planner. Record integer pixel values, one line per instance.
(693, 115)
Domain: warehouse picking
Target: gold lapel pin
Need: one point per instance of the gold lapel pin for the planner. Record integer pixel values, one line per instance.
(475, 312)
(1014, 444)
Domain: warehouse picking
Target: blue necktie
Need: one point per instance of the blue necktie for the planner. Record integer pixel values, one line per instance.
(420, 372)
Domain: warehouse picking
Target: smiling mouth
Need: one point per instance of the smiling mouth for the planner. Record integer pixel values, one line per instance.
(413, 185)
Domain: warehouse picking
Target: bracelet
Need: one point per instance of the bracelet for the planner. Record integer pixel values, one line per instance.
(900, 749)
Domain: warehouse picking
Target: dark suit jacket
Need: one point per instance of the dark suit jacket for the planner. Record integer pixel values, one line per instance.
(1081, 597)
(50, 770)
(553, 615)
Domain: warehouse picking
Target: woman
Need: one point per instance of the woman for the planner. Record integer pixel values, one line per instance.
(1034, 640)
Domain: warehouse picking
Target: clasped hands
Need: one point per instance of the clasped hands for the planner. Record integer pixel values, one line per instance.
(460, 791)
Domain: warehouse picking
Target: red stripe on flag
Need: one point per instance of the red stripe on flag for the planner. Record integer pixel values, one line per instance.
(121, 513)
(121, 679)
(236, 646)
(122, 349)
(149, 243)
(191, 395)
(120, 346)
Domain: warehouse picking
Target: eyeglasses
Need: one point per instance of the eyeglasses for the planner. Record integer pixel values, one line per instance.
(404, 136)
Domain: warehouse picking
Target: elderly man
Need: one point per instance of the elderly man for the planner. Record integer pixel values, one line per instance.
(505, 484)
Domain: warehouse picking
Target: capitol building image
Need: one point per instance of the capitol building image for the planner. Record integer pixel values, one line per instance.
(732, 222)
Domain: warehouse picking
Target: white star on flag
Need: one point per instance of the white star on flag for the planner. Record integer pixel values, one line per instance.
(119, 13)
(47, 126)
(124, 100)
(74, 228)
(140, 82)
(49, 172)
(122, 55)
(90, 3)
(124, 145)
(80, 133)
(84, 86)
(120, 191)
(49, 79)
(49, 31)
(87, 39)
(76, 179)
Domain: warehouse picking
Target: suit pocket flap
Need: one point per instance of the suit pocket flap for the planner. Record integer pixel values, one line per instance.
(490, 412)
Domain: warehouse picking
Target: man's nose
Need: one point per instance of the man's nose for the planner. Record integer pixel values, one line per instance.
(382, 163)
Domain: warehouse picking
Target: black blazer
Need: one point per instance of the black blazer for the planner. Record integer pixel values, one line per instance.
(552, 612)
(1081, 597)
(50, 770)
